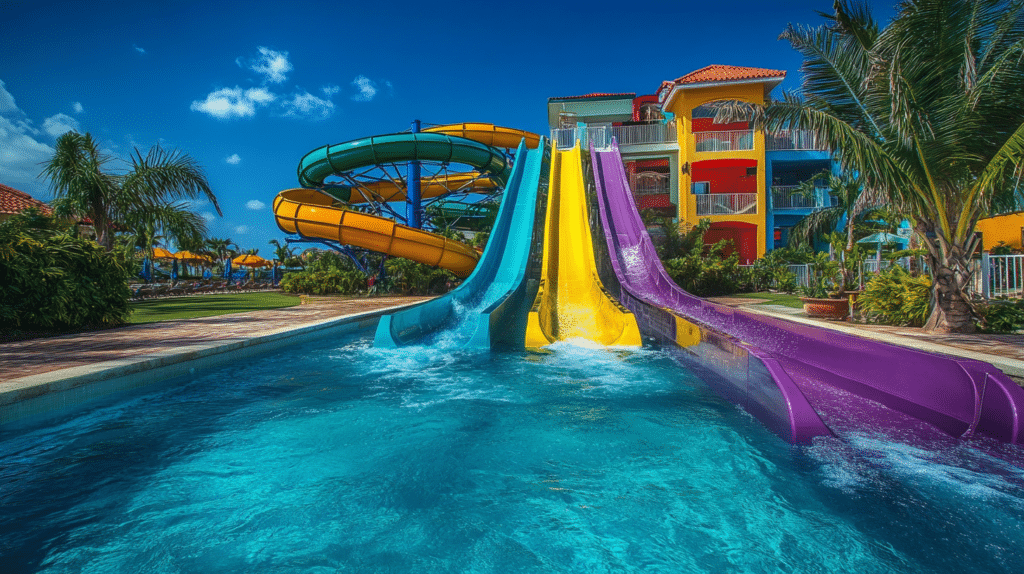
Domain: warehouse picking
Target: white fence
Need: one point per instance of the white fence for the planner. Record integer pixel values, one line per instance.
(785, 197)
(724, 141)
(726, 203)
(999, 276)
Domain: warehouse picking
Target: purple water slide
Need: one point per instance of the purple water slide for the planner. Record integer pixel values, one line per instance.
(849, 381)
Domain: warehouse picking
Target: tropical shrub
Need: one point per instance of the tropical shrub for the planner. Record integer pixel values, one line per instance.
(324, 282)
(707, 274)
(411, 278)
(895, 297)
(1002, 315)
(52, 280)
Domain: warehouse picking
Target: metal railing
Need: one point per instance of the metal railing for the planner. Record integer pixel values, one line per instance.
(784, 140)
(726, 203)
(646, 134)
(802, 272)
(724, 141)
(649, 183)
(600, 137)
(999, 276)
(785, 197)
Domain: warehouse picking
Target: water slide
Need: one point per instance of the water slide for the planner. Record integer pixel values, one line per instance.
(793, 377)
(491, 306)
(319, 212)
(572, 303)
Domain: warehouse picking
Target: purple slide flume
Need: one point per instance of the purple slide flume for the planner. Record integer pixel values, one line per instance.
(817, 376)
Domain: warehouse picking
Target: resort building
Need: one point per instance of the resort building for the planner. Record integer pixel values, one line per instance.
(682, 163)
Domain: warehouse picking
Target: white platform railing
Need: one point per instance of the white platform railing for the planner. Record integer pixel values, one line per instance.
(784, 140)
(726, 203)
(646, 134)
(731, 140)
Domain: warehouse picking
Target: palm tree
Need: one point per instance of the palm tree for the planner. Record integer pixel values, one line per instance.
(928, 112)
(221, 248)
(282, 252)
(852, 201)
(149, 193)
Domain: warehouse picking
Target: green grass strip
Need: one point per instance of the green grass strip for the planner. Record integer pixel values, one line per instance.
(773, 299)
(208, 306)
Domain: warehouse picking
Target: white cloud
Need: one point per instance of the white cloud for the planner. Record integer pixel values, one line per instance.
(208, 215)
(272, 64)
(6, 100)
(233, 159)
(241, 230)
(367, 89)
(21, 156)
(255, 204)
(77, 106)
(309, 106)
(138, 49)
(329, 91)
(59, 124)
(234, 102)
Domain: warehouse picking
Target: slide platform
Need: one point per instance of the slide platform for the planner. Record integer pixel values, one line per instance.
(793, 377)
(492, 305)
(572, 303)
(318, 211)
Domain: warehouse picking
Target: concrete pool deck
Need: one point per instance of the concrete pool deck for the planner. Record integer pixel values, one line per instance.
(39, 375)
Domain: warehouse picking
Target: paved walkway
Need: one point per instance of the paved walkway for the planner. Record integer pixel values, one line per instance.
(1006, 352)
(37, 356)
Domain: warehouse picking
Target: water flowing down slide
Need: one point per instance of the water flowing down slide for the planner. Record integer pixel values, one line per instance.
(788, 373)
(489, 309)
(317, 211)
(572, 304)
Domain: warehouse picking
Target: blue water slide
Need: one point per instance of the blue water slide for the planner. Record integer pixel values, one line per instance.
(491, 306)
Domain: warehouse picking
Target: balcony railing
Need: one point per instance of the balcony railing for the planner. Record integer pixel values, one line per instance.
(649, 183)
(601, 136)
(785, 197)
(726, 203)
(724, 141)
(793, 140)
(645, 134)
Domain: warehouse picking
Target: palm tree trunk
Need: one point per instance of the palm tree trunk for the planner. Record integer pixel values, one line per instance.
(952, 311)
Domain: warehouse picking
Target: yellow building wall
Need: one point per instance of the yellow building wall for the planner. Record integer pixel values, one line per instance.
(682, 106)
(1005, 228)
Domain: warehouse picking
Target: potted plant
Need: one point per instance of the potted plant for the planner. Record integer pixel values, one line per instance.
(824, 297)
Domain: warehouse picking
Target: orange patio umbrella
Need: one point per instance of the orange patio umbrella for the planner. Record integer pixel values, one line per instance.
(251, 261)
(192, 258)
(161, 253)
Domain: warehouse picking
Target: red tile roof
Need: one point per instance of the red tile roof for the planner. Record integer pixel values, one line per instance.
(720, 73)
(597, 95)
(14, 201)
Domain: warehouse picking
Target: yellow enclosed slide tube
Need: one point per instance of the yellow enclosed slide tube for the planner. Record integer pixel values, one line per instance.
(311, 213)
(572, 303)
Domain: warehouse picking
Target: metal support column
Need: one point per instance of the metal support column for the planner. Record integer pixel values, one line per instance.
(412, 195)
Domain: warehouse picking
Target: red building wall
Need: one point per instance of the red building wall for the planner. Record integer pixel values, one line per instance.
(726, 175)
(708, 125)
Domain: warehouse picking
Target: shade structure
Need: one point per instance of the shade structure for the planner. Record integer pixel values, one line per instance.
(193, 258)
(161, 253)
(248, 260)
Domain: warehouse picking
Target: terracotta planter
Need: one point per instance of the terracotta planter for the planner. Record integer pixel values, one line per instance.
(837, 309)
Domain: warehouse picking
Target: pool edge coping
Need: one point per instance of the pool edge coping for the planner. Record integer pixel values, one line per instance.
(62, 388)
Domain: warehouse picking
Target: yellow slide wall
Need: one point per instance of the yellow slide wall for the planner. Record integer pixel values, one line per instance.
(572, 303)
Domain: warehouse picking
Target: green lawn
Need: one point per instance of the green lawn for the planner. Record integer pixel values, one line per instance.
(773, 299)
(208, 306)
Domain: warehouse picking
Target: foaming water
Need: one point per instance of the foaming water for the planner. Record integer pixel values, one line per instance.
(344, 457)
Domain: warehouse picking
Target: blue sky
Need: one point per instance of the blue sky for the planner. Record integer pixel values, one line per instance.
(247, 88)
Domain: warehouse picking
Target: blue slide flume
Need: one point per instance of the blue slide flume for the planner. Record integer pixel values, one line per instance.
(489, 309)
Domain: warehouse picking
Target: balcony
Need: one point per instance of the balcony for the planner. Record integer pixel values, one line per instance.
(733, 140)
(601, 136)
(646, 134)
(726, 203)
(785, 197)
(794, 140)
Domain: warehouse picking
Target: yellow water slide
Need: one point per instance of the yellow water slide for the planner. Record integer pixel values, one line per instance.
(321, 212)
(572, 304)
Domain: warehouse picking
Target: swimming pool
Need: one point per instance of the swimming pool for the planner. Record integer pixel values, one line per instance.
(342, 457)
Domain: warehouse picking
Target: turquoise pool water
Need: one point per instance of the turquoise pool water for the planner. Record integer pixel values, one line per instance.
(339, 457)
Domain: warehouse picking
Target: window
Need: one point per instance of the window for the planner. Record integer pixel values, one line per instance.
(701, 187)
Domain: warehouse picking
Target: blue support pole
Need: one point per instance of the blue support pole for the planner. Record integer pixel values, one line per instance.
(412, 195)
